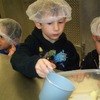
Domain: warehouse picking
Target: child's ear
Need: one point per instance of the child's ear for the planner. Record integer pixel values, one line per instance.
(38, 25)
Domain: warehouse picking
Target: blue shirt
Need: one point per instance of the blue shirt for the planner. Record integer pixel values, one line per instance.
(3, 52)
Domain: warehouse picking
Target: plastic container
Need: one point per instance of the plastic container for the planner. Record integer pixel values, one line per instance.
(86, 82)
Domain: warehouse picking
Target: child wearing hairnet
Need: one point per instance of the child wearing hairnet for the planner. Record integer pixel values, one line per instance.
(47, 46)
(92, 59)
(10, 34)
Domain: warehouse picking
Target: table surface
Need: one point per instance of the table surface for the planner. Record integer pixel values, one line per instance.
(15, 86)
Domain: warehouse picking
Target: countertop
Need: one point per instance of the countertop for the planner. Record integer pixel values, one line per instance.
(15, 86)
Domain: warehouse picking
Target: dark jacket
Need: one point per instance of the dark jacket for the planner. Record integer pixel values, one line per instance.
(62, 53)
(91, 61)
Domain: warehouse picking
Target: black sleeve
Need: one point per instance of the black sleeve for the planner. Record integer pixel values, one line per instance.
(87, 62)
(24, 64)
(23, 60)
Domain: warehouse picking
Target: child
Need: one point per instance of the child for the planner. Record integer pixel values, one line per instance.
(92, 59)
(47, 46)
(10, 34)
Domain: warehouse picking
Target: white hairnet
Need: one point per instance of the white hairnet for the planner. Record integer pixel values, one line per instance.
(10, 30)
(43, 11)
(95, 26)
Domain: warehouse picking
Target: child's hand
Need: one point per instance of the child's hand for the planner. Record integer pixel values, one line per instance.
(42, 67)
(12, 50)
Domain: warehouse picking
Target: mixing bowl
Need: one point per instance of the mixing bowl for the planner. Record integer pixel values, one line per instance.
(87, 84)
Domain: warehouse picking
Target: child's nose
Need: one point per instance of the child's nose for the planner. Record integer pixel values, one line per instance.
(56, 26)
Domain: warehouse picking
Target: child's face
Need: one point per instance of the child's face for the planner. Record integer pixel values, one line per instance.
(53, 29)
(97, 43)
(3, 44)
